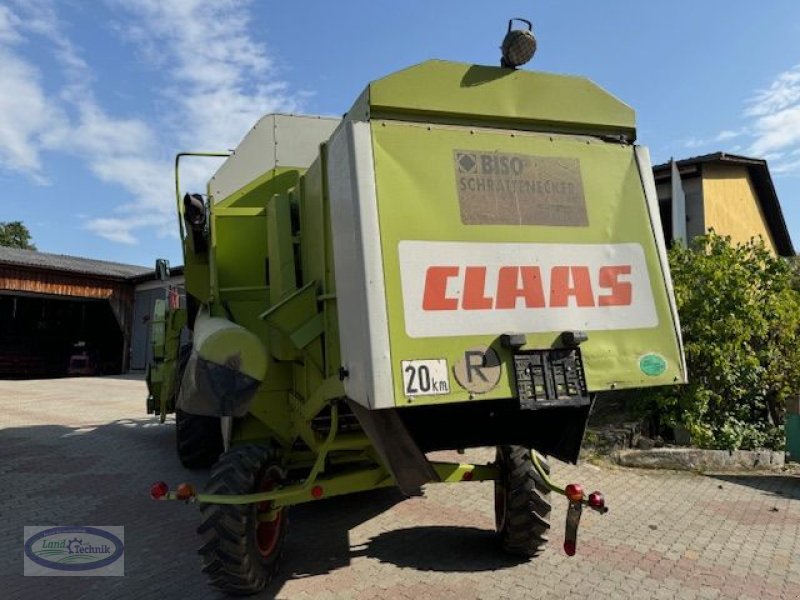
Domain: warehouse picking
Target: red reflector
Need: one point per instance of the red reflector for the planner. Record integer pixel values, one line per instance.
(574, 491)
(467, 476)
(317, 491)
(158, 490)
(569, 547)
(184, 491)
(596, 500)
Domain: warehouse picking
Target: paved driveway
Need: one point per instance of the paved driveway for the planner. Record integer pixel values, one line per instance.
(81, 452)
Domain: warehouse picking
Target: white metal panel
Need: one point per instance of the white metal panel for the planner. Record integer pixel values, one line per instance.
(274, 141)
(649, 184)
(678, 206)
(358, 262)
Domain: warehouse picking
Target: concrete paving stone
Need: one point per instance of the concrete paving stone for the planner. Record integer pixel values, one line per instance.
(80, 451)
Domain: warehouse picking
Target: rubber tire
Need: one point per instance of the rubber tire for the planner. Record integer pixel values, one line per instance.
(198, 439)
(522, 502)
(229, 551)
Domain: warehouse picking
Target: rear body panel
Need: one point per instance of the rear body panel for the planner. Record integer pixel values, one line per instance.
(489, 232)
(453, 285)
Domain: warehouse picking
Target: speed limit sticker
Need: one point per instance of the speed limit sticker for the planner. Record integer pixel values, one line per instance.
(425, 377)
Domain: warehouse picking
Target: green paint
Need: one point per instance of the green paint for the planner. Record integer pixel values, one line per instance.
(438, 90)
(420, 187)
(652, 365)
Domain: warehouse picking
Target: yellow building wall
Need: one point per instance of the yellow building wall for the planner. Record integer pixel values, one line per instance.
(730, 204)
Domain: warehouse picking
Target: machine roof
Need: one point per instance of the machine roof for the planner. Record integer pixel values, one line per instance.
(494, 95)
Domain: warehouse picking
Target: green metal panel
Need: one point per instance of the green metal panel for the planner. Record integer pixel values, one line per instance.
(259, 191)
(281, 251)
(467, 93)
(418, 200)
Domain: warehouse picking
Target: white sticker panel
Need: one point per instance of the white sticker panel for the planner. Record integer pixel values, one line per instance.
(474, 288)
(425, 377)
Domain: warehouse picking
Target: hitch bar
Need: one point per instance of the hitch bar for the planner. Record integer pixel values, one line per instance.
(577, 500)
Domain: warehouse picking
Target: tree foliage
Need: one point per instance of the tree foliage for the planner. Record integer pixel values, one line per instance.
(739, 308)
(15, 235)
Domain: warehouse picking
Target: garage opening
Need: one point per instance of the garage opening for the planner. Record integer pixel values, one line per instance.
(56, 336)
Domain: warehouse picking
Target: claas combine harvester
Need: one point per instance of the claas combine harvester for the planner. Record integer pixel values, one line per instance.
(463, 260)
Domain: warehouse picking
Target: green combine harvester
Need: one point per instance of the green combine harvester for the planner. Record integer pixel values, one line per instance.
(463, 260)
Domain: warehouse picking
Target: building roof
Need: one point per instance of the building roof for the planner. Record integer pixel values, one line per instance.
(70, 264)
(762, 182)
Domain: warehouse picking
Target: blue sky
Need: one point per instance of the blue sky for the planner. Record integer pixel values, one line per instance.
(97, 96)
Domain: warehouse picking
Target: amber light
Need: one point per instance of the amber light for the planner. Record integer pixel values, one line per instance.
(158, 490)
(574, 491)
(184, 491)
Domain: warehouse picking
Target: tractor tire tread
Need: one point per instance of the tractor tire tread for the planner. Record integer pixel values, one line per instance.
(528, 506)
(227, 557)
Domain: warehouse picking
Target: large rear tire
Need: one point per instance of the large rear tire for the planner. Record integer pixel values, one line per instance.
(198, 439)
(522, 502)
(241, 552)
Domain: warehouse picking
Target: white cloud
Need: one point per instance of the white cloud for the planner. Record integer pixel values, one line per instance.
(218, 82)
(782, 93)
(722, 136)
(727, 134)
(29, 122)
(775, 114)
(771, 128)
(222, 80)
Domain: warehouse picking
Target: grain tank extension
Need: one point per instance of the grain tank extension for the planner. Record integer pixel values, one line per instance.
(463, 260)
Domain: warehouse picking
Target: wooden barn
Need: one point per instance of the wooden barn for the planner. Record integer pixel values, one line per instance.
(63, 315)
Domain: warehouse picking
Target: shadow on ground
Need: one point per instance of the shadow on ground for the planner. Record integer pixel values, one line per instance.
(440, 548)
(773, 485)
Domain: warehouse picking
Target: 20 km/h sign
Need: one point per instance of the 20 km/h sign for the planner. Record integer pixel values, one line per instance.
(425, 377)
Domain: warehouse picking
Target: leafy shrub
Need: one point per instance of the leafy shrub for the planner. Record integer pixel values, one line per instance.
(740, 316)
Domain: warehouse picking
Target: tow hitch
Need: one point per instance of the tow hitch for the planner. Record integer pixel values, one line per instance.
(577, 499)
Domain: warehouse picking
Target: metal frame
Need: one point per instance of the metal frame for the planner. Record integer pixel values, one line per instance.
(315, 486)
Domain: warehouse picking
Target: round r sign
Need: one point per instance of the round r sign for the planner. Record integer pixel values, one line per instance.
(478, 370)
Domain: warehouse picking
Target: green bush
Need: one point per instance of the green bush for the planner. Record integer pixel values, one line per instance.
(740, 316)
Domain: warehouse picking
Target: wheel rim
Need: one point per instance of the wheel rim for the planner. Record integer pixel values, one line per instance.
(268, 532)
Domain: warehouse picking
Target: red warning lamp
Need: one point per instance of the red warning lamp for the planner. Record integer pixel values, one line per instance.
(574, 492)
(317, 491)
(158, 491)
(596, 500)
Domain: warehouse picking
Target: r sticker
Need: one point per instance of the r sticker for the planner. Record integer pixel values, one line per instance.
(425, 377)
(652, 364)
(478, 370)
(497, 188)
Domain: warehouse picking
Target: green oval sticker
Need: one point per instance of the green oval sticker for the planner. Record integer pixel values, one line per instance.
(652, 364)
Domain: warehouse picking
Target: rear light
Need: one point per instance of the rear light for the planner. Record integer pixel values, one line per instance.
(317, 491)
(596, 500)
(467, 476)
(569, 547)
(158, 491)
(184, 491)
(574, 491)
